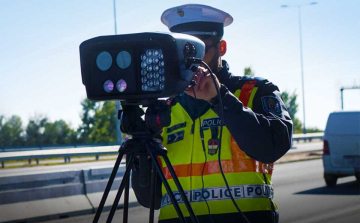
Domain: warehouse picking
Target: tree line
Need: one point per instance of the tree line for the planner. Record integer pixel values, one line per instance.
(98, 126)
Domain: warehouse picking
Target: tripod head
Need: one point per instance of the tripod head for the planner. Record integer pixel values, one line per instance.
(157, 116)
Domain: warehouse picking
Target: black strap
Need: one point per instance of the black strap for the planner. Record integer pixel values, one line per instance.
(214, 132)
(271, 202)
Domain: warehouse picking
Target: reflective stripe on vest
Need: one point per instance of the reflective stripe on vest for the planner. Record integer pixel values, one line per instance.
(187, 157)
(221, 193)
(212, 167)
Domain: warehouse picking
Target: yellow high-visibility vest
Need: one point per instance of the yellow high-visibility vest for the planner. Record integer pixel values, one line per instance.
(249, 180)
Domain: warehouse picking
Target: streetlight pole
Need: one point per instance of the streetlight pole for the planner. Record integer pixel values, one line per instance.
(301, 57)
(115, 17)
(118, 107)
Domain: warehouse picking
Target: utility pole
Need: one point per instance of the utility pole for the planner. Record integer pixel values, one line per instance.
(301, 56)
(118, 107)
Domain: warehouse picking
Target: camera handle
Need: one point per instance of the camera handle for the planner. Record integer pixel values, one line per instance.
(142, 145)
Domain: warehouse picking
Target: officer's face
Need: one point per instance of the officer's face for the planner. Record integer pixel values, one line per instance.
(211, 57)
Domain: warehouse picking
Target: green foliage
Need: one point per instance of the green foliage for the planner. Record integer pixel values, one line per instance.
(248, 71)
(290, 103)
(292, 107)
(98, 122)
(40, 131)
(104, 128)
(297, 125)
(89, 109)
(35, 129)
(11, 131)
(58, 133)
(98, 126)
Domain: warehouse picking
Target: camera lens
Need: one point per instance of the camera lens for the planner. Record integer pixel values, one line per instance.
(121, 85)
(123, 59)
(108, 86)
(104, 61)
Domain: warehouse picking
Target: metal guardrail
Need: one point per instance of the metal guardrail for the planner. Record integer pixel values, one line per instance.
(308, 137)
(47, 147)
(67, 153)
(50, 153)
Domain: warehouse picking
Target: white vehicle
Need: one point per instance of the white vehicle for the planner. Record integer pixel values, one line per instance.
(342, 146)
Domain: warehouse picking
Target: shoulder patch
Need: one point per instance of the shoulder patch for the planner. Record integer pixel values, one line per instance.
(271, 104)
(175, 137)
(176, 127)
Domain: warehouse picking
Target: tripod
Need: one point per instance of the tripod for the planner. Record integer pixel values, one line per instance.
(141, 146)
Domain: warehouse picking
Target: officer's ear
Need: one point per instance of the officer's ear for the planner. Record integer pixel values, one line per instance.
(222, 48)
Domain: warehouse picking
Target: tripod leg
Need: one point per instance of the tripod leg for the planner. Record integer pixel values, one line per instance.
(121, 188)
(126, 196)
(168, 188)
(178, 185)
(108, 186)
(153, 189)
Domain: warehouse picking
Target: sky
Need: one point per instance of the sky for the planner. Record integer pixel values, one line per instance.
(40, 65)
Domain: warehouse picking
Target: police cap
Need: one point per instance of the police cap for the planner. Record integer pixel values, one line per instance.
(198, 20)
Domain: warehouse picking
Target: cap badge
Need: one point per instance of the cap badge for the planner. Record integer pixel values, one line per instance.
(180, 12)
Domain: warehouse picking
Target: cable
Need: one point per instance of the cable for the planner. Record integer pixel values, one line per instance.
(219, 154)
(202, 173)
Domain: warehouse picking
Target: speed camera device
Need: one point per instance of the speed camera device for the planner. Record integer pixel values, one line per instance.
(139, 67)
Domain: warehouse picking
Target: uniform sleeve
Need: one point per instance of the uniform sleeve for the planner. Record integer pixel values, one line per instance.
(264, 133)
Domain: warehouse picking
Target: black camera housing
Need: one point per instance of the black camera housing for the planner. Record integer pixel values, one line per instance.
(177, 73)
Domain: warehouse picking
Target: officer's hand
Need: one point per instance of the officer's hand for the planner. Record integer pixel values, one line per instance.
(205, 88)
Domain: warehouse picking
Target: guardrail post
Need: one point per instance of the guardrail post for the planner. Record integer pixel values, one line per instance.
(65, 159)
(37, 161)
(29, 161)
(2, 164)
(97, 157)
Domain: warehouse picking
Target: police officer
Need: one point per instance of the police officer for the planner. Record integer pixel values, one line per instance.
(257, 131)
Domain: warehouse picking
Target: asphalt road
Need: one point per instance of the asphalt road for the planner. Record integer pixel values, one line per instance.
(302, 196)
(300, 193)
